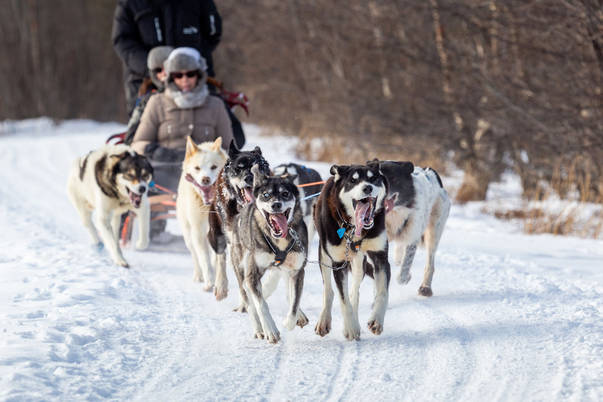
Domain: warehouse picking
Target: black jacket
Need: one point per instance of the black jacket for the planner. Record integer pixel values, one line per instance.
(140, 25)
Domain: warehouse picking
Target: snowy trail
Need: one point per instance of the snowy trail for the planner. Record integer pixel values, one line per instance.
(513, 317)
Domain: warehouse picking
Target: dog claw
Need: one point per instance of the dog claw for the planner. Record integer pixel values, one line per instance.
(302, 320)
(241, 309)
(322, 328)
(425, 291)
(273, 337)
(375, 327)
(258, 335)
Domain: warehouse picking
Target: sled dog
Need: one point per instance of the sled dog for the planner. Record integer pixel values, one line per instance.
(111, 180)
(350, 219)
(271, 234)
(196, 192)
(417, 210)
(233, 192)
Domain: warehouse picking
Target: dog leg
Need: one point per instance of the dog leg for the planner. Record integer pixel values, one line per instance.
(296, 285)
(201, 248)
(86, 217)
(309, 221)
(381, 274)
(115, 223)
(409, 255)
(357, 276)
(433, 233)
(254, 285)
(221, 288)
(237, 266)
(351, 327)
(103, 223)
(323, 326)
(271, 282)
(143, 214)
(258, 332)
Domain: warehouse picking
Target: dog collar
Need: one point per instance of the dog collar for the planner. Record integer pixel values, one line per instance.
(279, 255)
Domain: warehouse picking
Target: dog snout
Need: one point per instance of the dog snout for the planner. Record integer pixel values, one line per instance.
(276, 206)
(249, 179)
(205, 181)
(142, 189)
(367, 189)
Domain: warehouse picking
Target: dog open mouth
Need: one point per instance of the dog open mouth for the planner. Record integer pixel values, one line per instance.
(135, 198)
(364, 214)
(246, 195)
(207, 193)
(278, 223)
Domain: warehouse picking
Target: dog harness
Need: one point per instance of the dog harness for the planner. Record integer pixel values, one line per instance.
(345, 231)
(279, 255)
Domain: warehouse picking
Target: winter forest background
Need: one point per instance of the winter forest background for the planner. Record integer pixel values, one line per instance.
(490, 85)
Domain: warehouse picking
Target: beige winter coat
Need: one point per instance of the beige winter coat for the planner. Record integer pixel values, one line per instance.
(163, 122)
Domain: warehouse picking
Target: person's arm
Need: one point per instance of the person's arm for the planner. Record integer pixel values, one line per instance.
(126, 39)
(211, 24)
(223, 125)
(146, 133)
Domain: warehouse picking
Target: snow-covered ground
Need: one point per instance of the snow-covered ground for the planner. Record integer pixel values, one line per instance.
(513, 317)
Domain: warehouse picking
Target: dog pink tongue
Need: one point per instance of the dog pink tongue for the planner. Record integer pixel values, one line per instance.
(359, 215)
(208, 194)
(248, 195)
(280, 221)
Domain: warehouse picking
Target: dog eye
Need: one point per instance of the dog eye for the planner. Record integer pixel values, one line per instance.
(266, 195)
(285, 194)
(128, 176)
(213, 167)
(197, 168)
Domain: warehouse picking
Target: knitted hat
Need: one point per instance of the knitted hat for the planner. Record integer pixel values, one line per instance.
(157, 56)
(185, 59)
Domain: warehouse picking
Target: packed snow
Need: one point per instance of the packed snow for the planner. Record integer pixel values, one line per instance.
(513, 317)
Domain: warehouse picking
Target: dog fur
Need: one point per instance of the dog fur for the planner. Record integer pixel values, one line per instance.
(418, 207)
(111, 181)
(353, 239)
(271, 235)
(233, 192)
(196, 192)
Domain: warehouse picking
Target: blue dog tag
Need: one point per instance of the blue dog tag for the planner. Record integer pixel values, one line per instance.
(152, 183)
(340, 232)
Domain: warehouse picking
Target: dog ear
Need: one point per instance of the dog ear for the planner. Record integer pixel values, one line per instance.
(217, 144)
(257, 150)
(191, 147)
(338, 170)
(258, 177)
(232, 150)
(389, 202)
(407, 167)
(375, 161)
(290, 177)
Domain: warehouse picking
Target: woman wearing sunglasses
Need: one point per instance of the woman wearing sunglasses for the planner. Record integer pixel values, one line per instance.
(184, 108)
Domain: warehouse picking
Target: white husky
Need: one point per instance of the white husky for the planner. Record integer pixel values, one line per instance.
(111, 181)
(196, 192)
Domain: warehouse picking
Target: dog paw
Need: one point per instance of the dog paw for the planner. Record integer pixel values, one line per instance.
(302, 320)
(142, 245)
(258, 335)
(425, 291)
(375, 327)
(290, 322)
(273, 336)
(352, 333)
(403, 277)
(98, 247)
(122, 263)
(241, 309)
(208, 287)
(197, 277)
(323, 327)
(220, 293)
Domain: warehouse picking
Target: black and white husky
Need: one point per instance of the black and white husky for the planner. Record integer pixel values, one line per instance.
(350, 219)
(111, 181)
(418, 208)
(233, 192)
(270, 234)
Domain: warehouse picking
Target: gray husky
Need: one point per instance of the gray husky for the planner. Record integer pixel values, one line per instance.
(270, 234)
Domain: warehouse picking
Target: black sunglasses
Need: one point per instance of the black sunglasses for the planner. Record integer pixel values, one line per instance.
(157, 70)
(189, 74)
